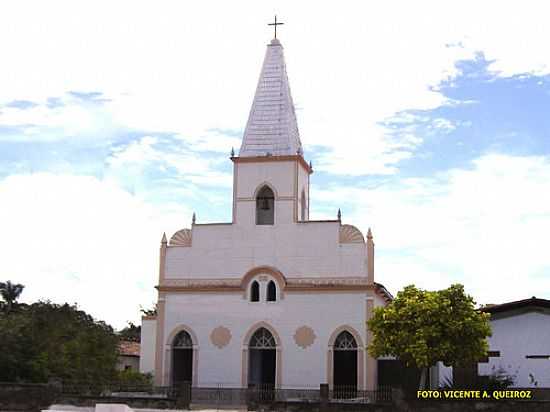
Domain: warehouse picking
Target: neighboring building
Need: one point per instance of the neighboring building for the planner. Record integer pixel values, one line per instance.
(148, 339)
(128, 355)
(271, 297)
(519, 345)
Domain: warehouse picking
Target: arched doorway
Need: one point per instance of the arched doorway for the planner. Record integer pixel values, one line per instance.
(182, 358)
(262, 364)
(345, 366)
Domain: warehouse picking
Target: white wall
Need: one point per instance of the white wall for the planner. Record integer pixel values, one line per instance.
(445, 374)
(125, 361)
(147, 346)
(296, 249)
(515, 337)
(303, 184)
(323, 312)
(281, 176)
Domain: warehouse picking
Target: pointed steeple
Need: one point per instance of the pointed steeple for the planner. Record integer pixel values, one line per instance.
(272, 128)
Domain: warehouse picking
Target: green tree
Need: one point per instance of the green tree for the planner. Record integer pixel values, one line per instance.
(130, 333)
(422, 327)
(45, 340)
(149, 312)
(10, 292)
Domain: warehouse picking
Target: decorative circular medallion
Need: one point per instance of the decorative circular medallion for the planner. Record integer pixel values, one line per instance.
(304, 336)
(220, 336)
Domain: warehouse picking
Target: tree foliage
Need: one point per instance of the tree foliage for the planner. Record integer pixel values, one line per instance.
(131, 333)
(45, 340)
(10, 292)
(422, 327)
(131, 377)
(149, 312)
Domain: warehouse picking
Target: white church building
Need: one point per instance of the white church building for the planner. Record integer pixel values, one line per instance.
(271, 297)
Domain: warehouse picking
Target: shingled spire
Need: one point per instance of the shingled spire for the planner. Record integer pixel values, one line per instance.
(272, 128)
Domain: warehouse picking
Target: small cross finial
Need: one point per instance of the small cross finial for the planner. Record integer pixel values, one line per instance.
(275, 24)
(194, 219)
(339, 214)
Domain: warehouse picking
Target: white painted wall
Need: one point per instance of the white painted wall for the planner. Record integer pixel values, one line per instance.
(379, 301)
(280, 175)
(515, 337)
(323, 312)
(147, 346)
(445, 374)
(296, 249)
(303, 184)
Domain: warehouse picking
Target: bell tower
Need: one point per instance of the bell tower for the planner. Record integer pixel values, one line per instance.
(270, 175)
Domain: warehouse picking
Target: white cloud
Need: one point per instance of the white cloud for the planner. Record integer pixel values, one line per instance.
(177, 67)
(79, 239)
(485, 227)
(139, 155)
(443, 125)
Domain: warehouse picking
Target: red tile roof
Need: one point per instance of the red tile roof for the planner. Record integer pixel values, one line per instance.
(127, 348)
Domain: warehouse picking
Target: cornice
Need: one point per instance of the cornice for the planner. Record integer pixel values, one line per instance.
(261, 159)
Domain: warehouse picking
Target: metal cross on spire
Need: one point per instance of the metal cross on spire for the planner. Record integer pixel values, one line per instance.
(275, 24)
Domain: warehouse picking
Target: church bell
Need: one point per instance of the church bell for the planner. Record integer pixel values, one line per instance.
(265, 204)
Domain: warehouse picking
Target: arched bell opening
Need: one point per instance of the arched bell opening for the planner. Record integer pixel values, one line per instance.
(265, 206)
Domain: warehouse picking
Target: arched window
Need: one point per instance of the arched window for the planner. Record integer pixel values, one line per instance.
(271, 291)
(255, 292)
(262, 339)
(265, 207)
(303, 206)
(345, 341)
(182, 341)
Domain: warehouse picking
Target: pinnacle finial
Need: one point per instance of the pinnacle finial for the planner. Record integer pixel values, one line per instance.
(369, 234)
(164, 238)
(232, 152)
(275, 24)
(194, 219)
(339, 214)
(310, 165)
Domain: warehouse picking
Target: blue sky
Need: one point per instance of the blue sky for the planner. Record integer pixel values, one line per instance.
(115, 129)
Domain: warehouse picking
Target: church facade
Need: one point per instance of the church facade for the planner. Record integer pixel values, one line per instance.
(271, 297)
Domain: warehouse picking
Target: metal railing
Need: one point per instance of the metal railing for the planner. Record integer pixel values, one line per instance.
(112, 389)
(220, 394)
(350, 394)
(268, 393)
